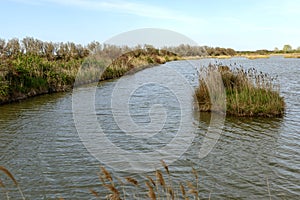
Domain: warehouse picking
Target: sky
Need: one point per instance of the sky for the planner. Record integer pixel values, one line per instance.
(242, 25)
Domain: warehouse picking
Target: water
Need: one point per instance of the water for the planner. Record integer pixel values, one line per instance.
(39, 143)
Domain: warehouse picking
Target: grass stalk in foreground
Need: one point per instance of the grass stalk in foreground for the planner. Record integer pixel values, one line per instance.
(153, 187)
(8, 174)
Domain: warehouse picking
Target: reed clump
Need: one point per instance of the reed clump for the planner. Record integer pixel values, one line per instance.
(248, 92)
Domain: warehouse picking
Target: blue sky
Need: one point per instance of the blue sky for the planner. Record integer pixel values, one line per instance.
(242, 25)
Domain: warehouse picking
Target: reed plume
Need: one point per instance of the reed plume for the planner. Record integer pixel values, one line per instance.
(165, 166)
(160, 178)
(94, 193)
(107, 175)
(151, 193)
(151, 180)
(132, 181)
(115, 193)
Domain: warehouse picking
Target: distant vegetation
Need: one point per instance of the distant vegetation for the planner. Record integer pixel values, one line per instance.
(287, 51)
(204, 51)
(248, 92)
(30, 67)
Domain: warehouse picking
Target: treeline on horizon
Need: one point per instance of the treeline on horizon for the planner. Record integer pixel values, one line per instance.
(53, 51)
(69, 50)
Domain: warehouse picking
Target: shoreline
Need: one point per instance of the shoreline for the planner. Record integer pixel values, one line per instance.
(248, 56)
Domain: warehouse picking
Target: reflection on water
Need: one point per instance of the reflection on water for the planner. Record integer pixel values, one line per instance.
(40, 145)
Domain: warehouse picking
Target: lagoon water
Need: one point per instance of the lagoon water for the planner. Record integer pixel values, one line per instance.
(252, 159)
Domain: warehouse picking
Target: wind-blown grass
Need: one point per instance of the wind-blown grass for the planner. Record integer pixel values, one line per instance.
(248, 92)
(154, 187)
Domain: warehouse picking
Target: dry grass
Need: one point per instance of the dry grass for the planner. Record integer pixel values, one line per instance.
(248, 92)
(220, 57)
(153, 187)
(254, 56)
(292, 55)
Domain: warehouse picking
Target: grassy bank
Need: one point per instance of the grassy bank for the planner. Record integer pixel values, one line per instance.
(32, 67)
(248, 92)
(31, 75)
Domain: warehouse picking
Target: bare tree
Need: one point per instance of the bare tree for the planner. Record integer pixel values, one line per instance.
(12, 47)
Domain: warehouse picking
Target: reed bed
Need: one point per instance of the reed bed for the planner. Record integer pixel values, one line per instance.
(248, 92)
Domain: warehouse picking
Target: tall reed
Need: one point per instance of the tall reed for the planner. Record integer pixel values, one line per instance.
(153, 187)
(117, 188)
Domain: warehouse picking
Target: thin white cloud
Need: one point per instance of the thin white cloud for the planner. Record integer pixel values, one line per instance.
(236, 25)
(30, 2)
(132, 8)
